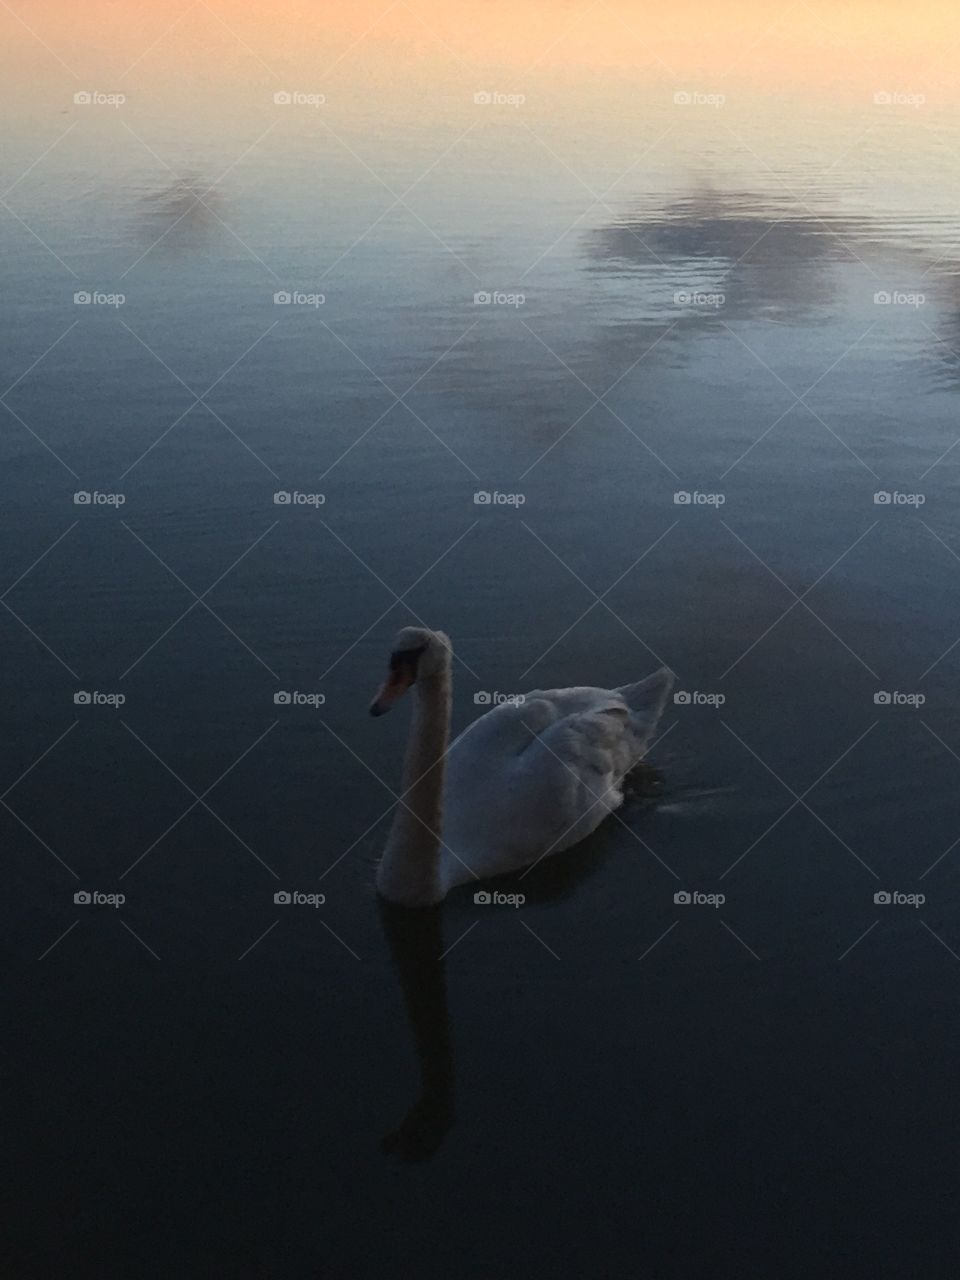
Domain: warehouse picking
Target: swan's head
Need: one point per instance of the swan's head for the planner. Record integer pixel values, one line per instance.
(417, 654)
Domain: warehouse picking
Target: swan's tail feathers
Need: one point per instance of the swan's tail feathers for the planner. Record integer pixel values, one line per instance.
(646, 700)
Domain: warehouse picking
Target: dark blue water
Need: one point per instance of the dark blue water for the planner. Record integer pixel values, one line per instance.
(717, 378)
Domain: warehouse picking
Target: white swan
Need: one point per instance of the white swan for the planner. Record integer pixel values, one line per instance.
(525, 780)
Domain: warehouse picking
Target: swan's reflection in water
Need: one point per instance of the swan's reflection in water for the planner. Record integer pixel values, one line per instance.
(415, 937)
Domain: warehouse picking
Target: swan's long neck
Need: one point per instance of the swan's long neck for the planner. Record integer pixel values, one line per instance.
(409, 871)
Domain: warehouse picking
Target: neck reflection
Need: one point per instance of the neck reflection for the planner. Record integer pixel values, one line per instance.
(415, 938)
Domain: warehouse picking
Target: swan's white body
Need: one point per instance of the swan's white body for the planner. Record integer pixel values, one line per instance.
(535, 778)
(525, 780)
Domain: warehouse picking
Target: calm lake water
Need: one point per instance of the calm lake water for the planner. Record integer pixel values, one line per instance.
(679, 292)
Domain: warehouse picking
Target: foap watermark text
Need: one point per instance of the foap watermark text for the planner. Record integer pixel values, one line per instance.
(694, 498)
(696, 698)
(494, 898)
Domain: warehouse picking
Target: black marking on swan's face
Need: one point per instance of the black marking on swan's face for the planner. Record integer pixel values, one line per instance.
(407, 661)
(404, 665)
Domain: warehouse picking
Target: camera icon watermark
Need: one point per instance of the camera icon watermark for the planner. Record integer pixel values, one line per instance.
(297, 298)
(695, 898)
(494, 98)
(697, 698)
(296, 898)
(888, 898)
(94, 298)
(898, 98)
(486, 498)
(83, 698)
(297, 98)
(498, 298)
(898, 298)
(694, 498)
(94, 498)
(94, 98)
(487, 898)
(894, 498)
(886, 698)
(283, 698)
(698, 298)
(695, 98)
(486, 698)
(294, 498)
(87, 897)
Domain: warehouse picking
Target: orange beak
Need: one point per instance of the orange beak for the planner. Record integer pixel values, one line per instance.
(392, 689)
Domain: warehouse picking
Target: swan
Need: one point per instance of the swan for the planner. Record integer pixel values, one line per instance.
(529, 778)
